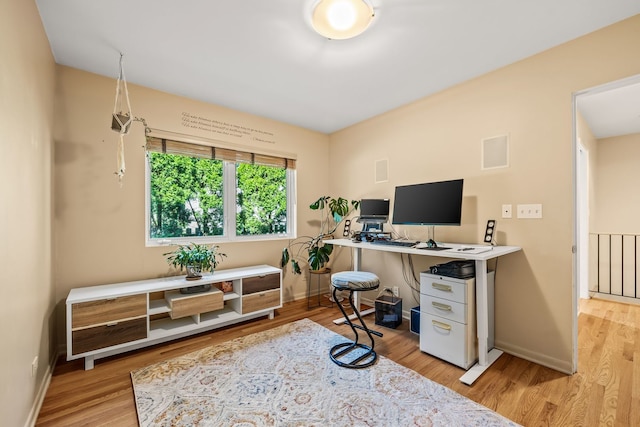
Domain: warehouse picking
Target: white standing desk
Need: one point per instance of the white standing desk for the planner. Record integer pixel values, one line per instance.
(480, 255)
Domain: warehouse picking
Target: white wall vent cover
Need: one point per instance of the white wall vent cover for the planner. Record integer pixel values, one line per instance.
(382, 170)
(495, 152)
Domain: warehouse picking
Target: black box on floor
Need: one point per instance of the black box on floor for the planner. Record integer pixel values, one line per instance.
(388, 311)
(415, 320)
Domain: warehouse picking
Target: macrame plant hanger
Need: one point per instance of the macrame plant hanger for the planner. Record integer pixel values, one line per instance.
(121, 120)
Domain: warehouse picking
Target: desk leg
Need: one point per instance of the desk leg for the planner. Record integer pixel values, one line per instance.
(357, 263)
(485, 357)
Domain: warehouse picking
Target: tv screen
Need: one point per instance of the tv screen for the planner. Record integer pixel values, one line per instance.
(374, 209)
(432, 203)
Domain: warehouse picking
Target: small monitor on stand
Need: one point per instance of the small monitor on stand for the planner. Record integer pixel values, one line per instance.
(373, 214)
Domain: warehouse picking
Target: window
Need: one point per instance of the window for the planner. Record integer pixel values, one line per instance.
(200, 192)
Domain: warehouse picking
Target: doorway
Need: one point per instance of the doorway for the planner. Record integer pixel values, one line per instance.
(601, 112)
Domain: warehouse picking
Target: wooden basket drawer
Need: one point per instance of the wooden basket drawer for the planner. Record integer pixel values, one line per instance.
(251, 285)
(97, 337)
(108, 310)
(260, 301)
(188, 305)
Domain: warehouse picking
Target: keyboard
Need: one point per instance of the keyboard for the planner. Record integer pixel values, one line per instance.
(406, 243)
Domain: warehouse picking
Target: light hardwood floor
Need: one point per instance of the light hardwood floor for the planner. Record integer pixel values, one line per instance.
(604, 391)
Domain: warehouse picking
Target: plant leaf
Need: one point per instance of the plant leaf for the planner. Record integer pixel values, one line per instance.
(285, 258)
(319, 204)
(296, 267)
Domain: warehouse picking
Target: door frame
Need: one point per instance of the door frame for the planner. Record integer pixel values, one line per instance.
(578, 257)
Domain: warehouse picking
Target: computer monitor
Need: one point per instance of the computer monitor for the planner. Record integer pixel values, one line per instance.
(432, 203)
(373, 214)
(374, 209)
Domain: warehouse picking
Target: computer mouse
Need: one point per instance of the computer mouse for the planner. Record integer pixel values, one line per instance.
(431, 243)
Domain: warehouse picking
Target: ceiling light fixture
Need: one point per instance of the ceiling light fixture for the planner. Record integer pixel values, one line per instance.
(341, 19)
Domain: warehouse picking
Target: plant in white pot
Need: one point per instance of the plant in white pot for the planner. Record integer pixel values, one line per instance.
(195, 259)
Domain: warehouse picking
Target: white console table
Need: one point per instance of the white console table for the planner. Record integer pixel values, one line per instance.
(480, 255)
(110, 319)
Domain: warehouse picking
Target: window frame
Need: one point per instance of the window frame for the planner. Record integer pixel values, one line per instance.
(229, 209)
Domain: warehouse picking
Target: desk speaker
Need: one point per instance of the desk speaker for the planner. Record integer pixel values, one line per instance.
(347, 228)
(489, 233)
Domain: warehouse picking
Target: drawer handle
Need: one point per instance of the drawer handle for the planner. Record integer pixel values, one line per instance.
(441, 325)
(440, 306)
(111, 299)
(441, 287)
(111, 324)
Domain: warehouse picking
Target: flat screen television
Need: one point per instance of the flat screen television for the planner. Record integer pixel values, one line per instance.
(374, 209)
(431, 203)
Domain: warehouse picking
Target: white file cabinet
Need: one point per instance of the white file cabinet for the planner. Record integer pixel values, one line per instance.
(448, 318)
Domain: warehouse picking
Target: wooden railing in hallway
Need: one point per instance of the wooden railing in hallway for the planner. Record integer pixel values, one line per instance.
(614, 264)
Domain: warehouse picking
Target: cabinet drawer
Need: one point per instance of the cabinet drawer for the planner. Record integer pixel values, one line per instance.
(444, 287)
(260, 301)
(188, 305)
(446, 309)
(107, 310)
(251, 285)
(447, 340)
(97, 337)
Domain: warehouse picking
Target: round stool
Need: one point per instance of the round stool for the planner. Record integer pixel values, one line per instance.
(354, 354)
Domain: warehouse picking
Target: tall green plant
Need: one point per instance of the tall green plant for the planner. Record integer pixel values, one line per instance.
(332, 213)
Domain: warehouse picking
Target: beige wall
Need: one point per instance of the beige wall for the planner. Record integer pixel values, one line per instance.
(618, 207)
(100, 223)
(27, 78)
(439, 138)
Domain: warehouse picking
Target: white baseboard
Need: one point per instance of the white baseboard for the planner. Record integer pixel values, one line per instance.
(42, 392)
(541, 359)
(615, 298)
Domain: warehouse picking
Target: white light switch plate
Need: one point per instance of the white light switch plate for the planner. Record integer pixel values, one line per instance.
(530, 211)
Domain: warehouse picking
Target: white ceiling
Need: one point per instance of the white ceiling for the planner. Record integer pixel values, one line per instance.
(262, 57)
(612, 112)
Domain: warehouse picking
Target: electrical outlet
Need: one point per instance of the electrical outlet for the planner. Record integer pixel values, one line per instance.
(34, 367)
(396, 291)
(507, 211)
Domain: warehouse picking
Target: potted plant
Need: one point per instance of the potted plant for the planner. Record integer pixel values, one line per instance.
(312, 249)
(195, 259)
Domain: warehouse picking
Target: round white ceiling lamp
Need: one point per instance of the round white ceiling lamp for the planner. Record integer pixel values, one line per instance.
(341, 19)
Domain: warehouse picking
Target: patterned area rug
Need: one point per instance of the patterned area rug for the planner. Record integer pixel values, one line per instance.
(284, 377)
